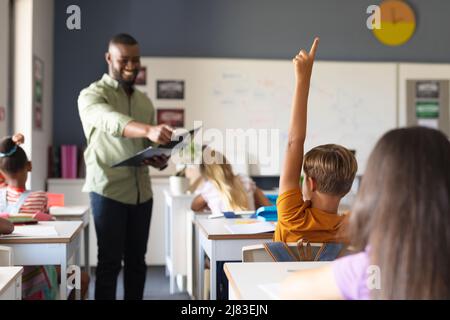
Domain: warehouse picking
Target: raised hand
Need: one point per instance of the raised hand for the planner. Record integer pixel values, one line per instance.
(303, 62)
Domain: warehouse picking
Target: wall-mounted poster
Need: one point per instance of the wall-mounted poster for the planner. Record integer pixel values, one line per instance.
(38, 92)
(141, 78)
(170, 89)
(427, 89)
(427, 113)
(171, 117)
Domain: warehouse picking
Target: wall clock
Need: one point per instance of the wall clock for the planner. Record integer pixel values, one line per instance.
(398, 23)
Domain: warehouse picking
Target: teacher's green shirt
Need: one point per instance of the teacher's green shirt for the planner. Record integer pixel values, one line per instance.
(105, 109)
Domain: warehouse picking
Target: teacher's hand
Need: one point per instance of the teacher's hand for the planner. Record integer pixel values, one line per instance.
(159, 162)
(161, 134)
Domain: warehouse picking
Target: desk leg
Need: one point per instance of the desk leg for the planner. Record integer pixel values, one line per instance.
(200, 271)
(63, 285)
(172, 282)
(213, 275)
(86, 250)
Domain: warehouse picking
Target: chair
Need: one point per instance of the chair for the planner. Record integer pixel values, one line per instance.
(5, 256)
(321, 252)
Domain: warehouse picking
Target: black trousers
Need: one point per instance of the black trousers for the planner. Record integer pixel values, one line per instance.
(122, 234)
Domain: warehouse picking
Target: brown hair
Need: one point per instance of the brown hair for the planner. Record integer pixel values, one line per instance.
(333, 167)
(13, 158)
(402, 214)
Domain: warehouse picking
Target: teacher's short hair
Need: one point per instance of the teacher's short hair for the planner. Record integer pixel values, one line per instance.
(123, 38)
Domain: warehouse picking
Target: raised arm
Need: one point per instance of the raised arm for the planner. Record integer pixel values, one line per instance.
(293, 160)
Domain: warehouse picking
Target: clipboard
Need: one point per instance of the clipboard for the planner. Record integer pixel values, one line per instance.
(150, 152)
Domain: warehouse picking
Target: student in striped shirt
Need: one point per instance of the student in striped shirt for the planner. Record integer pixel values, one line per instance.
(38, 282)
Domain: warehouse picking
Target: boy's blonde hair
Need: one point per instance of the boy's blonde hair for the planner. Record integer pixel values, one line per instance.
(333, 167)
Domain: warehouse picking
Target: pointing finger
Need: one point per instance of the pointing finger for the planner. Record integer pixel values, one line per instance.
(313, 50)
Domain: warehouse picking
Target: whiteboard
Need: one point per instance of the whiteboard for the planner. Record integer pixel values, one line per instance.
(350, 103)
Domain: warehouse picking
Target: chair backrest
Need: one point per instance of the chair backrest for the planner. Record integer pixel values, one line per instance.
(283, 252)
(330, 251)
(5, 256)
(258, 252)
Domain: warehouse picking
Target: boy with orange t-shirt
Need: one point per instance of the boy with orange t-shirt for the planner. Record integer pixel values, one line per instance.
(310, 213)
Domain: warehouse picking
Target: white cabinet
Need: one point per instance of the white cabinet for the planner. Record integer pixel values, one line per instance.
(71, 188)
(176, 222)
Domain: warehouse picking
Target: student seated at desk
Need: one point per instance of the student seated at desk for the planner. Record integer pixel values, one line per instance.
(39, 282)
(311, 213)
(400, 222)
(222, 190)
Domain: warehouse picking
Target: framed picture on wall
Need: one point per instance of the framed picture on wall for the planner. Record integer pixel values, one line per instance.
(171, 117)
(427, 89)
(170, 89)
(38, 92)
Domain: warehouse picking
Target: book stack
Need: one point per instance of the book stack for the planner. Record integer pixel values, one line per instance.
(69, 161)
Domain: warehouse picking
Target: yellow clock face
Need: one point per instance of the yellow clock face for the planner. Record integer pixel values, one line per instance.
(398, 23)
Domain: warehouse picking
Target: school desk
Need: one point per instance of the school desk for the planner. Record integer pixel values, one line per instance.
(11, 283)
(76, 213)
(48, 250)
(261, 280)
(219, 244)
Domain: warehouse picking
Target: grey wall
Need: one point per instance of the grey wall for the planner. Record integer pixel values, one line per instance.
(269, 29)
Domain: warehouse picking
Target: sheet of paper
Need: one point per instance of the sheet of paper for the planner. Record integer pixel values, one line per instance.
(250, 227)
(216, 215)
(34, 231)
(273, 290)
(67, 210)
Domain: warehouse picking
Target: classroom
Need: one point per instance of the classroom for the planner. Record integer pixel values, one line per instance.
(224, 150)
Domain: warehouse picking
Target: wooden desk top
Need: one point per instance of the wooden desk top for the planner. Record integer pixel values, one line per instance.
(7, 276)
(215, 229)
(245, 278)
(67, 231)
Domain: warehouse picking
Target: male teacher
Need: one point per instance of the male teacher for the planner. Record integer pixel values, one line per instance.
(118, 121)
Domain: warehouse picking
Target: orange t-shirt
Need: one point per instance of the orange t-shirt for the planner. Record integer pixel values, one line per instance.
(297, 220)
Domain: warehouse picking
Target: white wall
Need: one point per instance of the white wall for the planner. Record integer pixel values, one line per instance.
(43, 11)
(33, 37)
(23, 18)
(4, 62)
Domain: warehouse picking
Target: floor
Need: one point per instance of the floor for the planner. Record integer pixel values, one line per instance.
(156, 286)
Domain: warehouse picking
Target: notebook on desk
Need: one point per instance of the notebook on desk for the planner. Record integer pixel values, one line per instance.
(250, 226)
